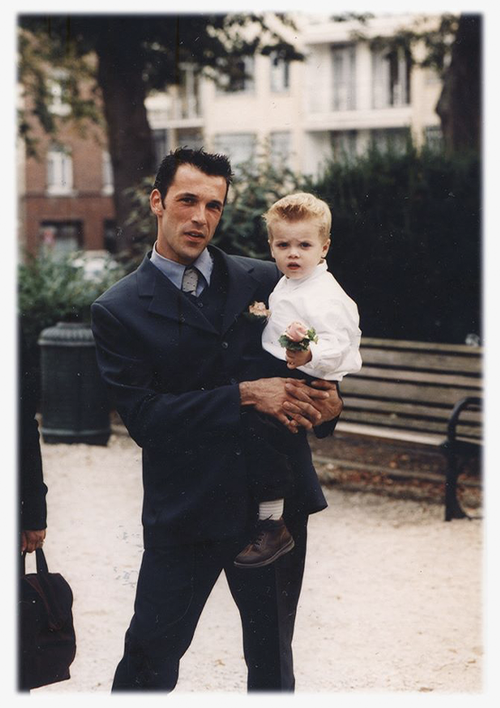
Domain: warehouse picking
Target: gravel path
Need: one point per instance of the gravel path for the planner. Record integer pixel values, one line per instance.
(392, 596)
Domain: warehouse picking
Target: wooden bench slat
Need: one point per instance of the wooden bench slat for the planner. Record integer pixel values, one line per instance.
(364, 388)
(426, 378)
(421, 346)
(389, 433)
(422, 360)
(410, 409)
(396, 421)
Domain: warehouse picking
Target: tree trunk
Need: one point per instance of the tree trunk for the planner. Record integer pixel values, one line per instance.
(459, 106)
(120, 76)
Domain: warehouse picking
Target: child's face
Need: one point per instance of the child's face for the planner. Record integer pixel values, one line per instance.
(297, 247)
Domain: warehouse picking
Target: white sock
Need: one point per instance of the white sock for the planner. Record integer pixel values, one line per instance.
(271, 509)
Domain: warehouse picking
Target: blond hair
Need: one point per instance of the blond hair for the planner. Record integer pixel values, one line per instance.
(298, 207)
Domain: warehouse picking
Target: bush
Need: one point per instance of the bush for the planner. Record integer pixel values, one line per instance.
(407, 242)
(52, 290)
(258, 184)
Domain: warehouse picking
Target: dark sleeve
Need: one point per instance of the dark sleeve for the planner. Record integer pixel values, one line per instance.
(326, 429)
(32, 490)
(153, 418)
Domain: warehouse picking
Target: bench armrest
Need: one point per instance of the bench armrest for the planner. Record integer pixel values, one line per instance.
(467, 403)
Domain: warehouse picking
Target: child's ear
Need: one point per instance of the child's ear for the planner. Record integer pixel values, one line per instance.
(325, 248)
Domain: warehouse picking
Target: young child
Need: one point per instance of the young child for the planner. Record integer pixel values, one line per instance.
(313, 326)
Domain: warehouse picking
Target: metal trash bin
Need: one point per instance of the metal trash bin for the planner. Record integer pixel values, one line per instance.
(74, 401)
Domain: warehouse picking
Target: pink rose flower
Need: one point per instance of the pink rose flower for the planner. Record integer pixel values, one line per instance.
(296, 331)
(258, 309)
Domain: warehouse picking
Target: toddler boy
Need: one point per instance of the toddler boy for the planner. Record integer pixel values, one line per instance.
(313, 326)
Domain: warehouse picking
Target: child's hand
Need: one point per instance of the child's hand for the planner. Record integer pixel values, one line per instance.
(295, 359)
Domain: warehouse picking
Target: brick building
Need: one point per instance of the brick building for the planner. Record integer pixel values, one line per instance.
(66, 192)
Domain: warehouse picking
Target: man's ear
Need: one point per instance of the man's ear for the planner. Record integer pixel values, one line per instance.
(155, 202)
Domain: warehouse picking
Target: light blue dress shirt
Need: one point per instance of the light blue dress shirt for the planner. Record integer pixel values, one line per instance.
(175, 271)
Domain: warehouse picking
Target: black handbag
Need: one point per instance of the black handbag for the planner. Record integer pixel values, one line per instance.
(47, 635)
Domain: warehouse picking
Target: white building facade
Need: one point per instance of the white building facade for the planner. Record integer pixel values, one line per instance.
(343, 97)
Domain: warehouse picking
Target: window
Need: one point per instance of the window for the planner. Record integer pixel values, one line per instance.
(240, 76)
(107, 173)
(61, 237)
(190, 137)
(187, 103)
(161, 142)
(344, 145)
(390, 139)
(59, 171)
(391, 78)
(344, 78)
(280, 73)
(58, 90)
(434, 137)
(279, 148)
(239, 147)
(110, 235)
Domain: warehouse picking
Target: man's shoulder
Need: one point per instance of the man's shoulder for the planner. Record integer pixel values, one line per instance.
(124, 288)
(256, 265)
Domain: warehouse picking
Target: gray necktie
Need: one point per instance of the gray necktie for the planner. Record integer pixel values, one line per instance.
(190, 280)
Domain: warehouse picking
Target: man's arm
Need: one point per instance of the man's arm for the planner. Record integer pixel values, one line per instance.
(328, 407)
(293, 406)
(156, 418)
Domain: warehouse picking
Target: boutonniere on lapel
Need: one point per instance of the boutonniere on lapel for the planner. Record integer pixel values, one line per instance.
(257, 312)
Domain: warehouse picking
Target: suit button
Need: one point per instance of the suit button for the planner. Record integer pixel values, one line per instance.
(224, 345)
(237, 451)
(232, 381)
(199, 303)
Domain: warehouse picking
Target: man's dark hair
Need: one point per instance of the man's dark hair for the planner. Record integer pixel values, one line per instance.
(214, 165)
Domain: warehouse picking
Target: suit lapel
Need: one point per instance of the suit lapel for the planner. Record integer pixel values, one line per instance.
(241, 287)
(166, 300)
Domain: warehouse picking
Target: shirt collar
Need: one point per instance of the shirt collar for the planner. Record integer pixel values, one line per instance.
(319, 270)
(174, 271)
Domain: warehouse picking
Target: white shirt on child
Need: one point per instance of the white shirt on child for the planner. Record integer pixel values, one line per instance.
(318, 301)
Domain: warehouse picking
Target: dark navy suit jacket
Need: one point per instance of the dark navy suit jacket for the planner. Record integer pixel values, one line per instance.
(174, 380)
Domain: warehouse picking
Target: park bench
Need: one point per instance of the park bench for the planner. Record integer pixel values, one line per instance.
(420, 392)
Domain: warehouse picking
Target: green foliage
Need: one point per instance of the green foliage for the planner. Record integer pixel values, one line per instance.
(257, 185)
(407, 242)
(52, 290)
(42, 62)
(146, 50)
(432, 33)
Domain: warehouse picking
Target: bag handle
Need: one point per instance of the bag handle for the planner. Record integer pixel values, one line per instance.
(41, 562)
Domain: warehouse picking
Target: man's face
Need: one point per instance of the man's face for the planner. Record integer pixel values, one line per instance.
(192, 210)
(297, 247)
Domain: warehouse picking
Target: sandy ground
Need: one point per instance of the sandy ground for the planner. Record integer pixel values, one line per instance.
(392, 596)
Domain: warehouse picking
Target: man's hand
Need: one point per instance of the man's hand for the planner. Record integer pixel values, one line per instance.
(326, 407)
(275, 397)
(30, 540)
(332, 406)
(295, 359)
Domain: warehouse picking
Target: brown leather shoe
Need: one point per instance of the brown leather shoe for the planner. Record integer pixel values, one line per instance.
(272, 540)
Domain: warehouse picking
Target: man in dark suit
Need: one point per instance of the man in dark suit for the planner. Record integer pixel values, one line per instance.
(174, 349)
